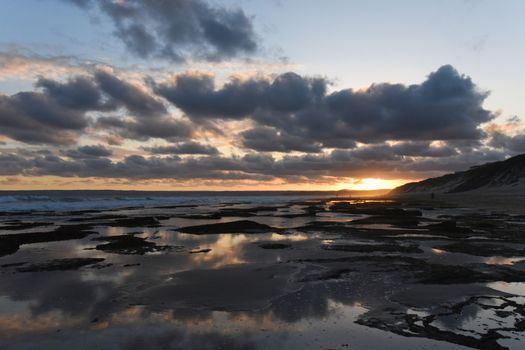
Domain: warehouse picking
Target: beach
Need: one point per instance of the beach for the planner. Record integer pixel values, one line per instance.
(256, 271)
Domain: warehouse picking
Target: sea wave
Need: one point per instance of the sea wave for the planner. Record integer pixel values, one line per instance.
(90, 201)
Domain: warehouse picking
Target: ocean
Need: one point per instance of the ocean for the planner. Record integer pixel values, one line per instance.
(55, 200)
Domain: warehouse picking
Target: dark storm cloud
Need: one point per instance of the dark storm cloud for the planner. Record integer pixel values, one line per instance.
(60, 112)
(458, 162)
(13, 164)
(265, 139)
(143, 129)
(178, 29)
(197, 96)
(287, 114)
(80, 93)
(423, 149)
(150, 119)
(446, 106)
(137, 101)
(515, 144)
(356, 163)
(183, 148)
(35, 117)
(93, 151)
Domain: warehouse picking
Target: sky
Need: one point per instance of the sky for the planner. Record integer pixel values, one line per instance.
(250, 94)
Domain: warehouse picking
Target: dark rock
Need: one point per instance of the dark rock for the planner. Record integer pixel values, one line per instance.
(8, 247)
(242, 226)
(15, 226)
(396, 220)
(370, 248)
(14, 264)
(327, 275)
(146, 221)
(453, 274)
(9, 244)
(274, 245)
(97, 218)
(448, 227)
(199, 251)
(129, 244)
(482, 249)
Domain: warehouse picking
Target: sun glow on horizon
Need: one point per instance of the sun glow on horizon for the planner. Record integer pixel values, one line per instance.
(92, 183)
(368, 184)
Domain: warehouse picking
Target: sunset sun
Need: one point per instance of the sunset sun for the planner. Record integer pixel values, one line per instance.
(368, 184)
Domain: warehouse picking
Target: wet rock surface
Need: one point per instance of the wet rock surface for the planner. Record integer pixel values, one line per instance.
(129, 244)
(370, 248)
(241, 226)
(319, 273)
(10, 243)
(481, 249)
(275, 245)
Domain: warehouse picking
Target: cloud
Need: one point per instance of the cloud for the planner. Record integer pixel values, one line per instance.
(16, 66)
(62, 110)
(337, 166)
(183, 148)
(446, 106)
(35, 117)
(424, 149)
(178, 29)
(196, 95)
(515, 144)
(143, 129)
(265, 139)
(137, 101)
(79, 93)
(386, 130)
(93, 151)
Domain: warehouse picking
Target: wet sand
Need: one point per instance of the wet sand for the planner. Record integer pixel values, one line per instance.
(407, 273)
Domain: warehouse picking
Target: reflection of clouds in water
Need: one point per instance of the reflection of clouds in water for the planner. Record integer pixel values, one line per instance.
(23, 323)
(117, 277)
(296, 237)
(230, 323)
(498, 260)
(113, 231)
(190, 328)
(517, 288)
(50, 294)
(180, 339)
(458, 320)
(227, 250)
(314, 301)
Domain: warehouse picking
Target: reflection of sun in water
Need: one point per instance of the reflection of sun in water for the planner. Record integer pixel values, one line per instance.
(368, 184)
